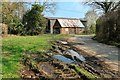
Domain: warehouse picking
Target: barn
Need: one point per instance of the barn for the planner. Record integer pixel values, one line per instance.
(65, 25)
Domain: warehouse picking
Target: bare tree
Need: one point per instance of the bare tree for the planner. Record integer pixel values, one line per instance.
(106, 5)
(49, 7)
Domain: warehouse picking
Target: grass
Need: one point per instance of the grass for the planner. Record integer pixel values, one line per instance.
(84, 72)
(14, 46)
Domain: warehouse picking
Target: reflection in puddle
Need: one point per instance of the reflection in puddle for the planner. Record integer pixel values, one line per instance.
(75, 56)
(69, 56)
(63, 59)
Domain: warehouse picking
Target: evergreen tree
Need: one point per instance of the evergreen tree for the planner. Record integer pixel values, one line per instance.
(34, 21)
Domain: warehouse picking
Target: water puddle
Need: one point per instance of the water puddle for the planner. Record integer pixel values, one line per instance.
(75, 55)
(63, 59)
(69, 56)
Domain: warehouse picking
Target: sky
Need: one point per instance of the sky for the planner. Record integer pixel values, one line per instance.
(69, 10)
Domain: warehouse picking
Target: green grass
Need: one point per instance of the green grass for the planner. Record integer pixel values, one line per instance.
(14, 46)
(84, 72)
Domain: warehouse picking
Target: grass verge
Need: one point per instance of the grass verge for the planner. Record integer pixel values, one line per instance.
(14, 46)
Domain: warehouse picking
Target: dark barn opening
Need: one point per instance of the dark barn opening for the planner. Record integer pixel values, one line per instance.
(56, 27)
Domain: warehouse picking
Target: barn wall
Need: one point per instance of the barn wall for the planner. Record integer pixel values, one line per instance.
(52, 22)
(71, 30)
(64, 31)
(80, 30)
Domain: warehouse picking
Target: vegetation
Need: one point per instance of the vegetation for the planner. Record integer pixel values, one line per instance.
(105, 5)
(107, 25)
(24, 21)
(14, 47)
(33, 20)
(14, 14)
(91, 17)
(108, 28)
(84, 73)
(11, 15)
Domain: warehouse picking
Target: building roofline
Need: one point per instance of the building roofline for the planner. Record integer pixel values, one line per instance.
(64, 18)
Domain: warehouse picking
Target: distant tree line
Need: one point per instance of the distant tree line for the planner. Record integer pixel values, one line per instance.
(11, 15)
(24, 21)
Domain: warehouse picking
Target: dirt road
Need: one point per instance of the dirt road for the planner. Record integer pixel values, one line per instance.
(111, 54)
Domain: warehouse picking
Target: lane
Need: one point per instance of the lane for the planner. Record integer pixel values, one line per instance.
(109, 54)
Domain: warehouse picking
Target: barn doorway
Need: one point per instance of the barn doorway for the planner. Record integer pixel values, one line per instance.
(56, 30)
(56, 27)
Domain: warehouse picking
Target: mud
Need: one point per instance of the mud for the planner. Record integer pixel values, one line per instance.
(47, 68)
(56, 64)
(92, 64)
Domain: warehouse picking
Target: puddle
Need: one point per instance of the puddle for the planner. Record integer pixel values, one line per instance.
(69, 56)
(63, 59)
(75, 56)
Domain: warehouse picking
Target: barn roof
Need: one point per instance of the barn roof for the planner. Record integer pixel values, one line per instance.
(81, 19)
(64, 22)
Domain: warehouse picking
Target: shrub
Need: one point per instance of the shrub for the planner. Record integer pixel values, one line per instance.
(108, 27)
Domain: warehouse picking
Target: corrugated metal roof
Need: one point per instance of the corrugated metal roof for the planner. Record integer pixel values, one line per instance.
(60, 18)
(81, 19)
(70, 23)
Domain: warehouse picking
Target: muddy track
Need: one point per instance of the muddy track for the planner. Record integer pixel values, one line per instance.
(43, 66)
(92, 64)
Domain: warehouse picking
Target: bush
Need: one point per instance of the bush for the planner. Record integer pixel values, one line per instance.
(16, 27)
(108, 27)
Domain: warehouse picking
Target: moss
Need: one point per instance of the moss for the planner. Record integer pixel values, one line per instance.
(85, 73)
